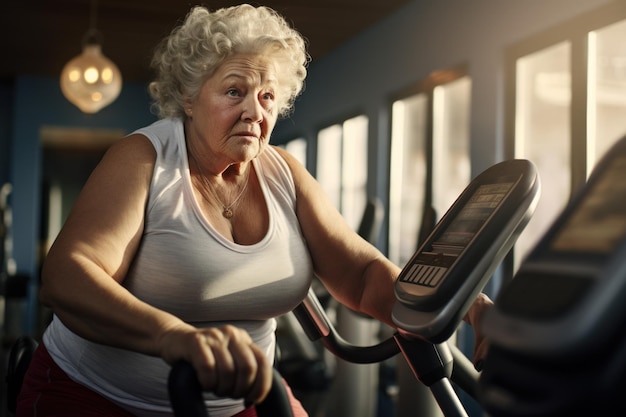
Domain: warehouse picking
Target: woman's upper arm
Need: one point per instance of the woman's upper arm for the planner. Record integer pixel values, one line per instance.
(105, 224)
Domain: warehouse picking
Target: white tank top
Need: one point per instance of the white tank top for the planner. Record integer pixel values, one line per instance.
(184, 266)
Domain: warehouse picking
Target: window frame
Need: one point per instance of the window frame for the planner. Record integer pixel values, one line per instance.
(575, 32)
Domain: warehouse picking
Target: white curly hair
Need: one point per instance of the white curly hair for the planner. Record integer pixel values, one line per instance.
(195, 49)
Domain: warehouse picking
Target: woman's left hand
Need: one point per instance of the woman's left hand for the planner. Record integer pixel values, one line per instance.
(473, 318)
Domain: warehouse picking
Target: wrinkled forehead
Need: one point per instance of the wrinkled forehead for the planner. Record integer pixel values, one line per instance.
(254, 68)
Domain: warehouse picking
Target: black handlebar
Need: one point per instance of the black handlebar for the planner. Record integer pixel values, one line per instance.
(187, 400)
(318, 326)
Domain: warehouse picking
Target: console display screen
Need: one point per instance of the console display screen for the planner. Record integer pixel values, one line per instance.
(599, 223)
(471, 217)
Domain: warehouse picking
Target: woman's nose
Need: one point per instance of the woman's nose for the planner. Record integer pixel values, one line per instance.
(252, 111)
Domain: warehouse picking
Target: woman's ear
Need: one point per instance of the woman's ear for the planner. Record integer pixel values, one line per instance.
(187, 107)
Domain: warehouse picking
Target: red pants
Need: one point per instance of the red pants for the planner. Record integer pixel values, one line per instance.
(48, 392)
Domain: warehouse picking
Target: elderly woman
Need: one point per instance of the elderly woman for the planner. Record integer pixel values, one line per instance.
(193, 234)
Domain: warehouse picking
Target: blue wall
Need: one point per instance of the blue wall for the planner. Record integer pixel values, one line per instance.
(6, 104)
(38, 102)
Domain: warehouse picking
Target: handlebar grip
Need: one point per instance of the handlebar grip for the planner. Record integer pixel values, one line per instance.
(276, 404)
(187, 400)
(185, 391)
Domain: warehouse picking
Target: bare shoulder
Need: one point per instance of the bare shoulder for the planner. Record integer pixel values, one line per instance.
(133, 156)
(315, 210)
(289, 158)
(134, 146)
(299, 172)
(124, 173)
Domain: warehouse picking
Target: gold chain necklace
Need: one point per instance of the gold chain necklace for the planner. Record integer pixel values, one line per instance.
(227, 211)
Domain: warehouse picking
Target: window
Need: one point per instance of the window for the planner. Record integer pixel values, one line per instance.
(297, 147)
(542, 132)
(606, 90)
(567, 107)
(451, 153)
(408, 175)
(342, 166)
(430, 163)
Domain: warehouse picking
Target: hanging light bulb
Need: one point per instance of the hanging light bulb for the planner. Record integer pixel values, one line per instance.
(91, 81)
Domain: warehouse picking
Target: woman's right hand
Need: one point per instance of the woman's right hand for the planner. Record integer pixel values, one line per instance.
(226, 360)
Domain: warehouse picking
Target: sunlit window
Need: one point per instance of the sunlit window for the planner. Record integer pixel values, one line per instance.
(354, 169)
(542, 133)
(297, 147)
(446, 165)
(606, 111)
(544, 101)
(408, 175)
(342, 166)
(451, 153)
(329, 162)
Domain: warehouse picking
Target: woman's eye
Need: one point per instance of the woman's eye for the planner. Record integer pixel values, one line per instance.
(232, 92)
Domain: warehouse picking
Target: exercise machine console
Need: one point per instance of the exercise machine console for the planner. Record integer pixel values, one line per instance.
(558, 345)
(444, 276)
(438, 285)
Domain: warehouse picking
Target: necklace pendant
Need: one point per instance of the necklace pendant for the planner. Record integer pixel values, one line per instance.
(228, 213)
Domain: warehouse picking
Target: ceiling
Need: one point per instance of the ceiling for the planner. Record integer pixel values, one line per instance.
(37, 37)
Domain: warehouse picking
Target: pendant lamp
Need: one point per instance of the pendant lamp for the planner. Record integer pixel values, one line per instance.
(91, 81)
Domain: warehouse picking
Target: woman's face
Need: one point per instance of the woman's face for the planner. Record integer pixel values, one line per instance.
(236, 111)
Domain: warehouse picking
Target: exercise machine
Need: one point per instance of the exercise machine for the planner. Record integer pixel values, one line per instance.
(19, 358)
(438, 285)
(558, 345)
